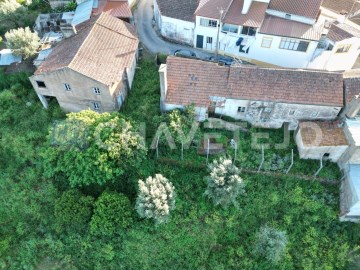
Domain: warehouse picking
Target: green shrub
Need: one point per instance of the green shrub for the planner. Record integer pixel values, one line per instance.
(112, 214)
(270, 244)
(73, 211)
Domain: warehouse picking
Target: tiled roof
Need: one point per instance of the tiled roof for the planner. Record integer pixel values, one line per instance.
(211, 8)
(341, 6)
(282, 27)
(119, 9)
(341, 31)
(178, 9)
(305, 8)
(253, 18)
(101, 50)
(352, 84)
(194, 81)
(332, 133)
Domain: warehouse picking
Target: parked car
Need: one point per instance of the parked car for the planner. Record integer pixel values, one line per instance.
(184, 53)
(225, 60)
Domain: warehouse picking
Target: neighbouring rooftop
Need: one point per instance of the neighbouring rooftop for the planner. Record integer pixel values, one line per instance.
(182, 10)
(305, 8)
(322, 133)
(194, 81)
(341, 31)
(282, 27)
(103, 47)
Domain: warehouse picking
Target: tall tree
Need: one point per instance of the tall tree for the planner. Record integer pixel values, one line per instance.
(22, 42)
(92, 148)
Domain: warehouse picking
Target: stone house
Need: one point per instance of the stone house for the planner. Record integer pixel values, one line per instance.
(92, 69)
(262, 31)
(266, 97)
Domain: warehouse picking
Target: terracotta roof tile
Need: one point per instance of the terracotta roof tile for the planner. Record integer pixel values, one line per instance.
(118, 9)
(341, 6)
(352, 85)
(253, 18)
(102, 50)
(306, 8)
(178, 9)
(211, 8)
(194, 81)
(282, 27)
(332, 134)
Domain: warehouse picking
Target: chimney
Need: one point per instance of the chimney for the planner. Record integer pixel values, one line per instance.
(163, 85)
(246, 6)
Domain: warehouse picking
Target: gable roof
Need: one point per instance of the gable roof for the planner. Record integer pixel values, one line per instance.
(194, 81)
(211, 8)
(253, 18)
(341, 31)
(102, 49)
(178, 9)
(282, 27)
(352, 84)
(305, 8)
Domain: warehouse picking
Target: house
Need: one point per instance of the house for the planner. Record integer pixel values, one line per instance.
(265, 32)
(266, 97)
(175, 19)
(92, 69)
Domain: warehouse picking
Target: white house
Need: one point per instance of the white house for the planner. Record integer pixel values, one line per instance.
(175, 19)
(266, 32)
(265, 97)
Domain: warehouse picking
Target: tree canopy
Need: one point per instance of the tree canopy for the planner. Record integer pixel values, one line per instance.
(22, 42)
(92, 148)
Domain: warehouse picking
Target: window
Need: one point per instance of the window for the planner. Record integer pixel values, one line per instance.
(294, 44)
(241, 109)
(326, 155)
(67, 87)
(292, 112)
(266, 42)
(208, 23)
(41, 84)
(230, 28)
(209, 40)
(241, 49)
(96, 90)
(96, 105)
(287, 16)
(248, 31)
(343, 48)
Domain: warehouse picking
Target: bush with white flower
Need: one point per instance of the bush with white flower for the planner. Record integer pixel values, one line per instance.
(156, 198)
(224, 183)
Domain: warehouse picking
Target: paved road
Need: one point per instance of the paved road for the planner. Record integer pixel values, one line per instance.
(149, 37)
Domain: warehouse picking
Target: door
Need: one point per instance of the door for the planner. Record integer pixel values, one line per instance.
(199, 41)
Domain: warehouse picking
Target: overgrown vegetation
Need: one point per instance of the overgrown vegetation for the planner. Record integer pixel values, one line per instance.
(37, 208)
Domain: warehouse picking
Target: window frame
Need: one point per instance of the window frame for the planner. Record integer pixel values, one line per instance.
(96, 91)
(67, 87)
(207, 40)
(241, 109)
(230, 27)
(249, 28)
(43, 85)
(241, 51)
(96, 105)
(268, 39)
(340, 48)
(208, 23)
(293, 44)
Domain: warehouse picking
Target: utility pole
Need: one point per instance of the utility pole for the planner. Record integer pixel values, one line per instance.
(221, 12)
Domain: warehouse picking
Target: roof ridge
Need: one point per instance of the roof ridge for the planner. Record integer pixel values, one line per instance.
(99, 23)
(83, 42)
